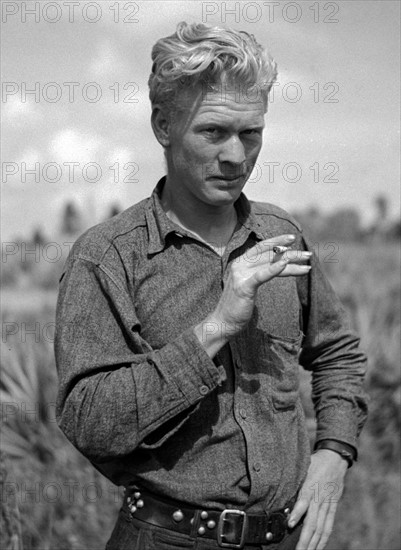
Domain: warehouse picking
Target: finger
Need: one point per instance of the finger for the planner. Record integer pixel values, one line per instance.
(320, 526)
(265, 257)
(294, 255)
(264, 274)
(280, 249)
(280, 240)
(309, 527)
(280, 268)
(292, 270)
(269, 244)
(300, 507)
(328, 526)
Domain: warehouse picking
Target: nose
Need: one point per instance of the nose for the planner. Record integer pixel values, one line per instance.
(233, 151)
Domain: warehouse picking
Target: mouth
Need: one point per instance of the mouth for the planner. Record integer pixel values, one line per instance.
(229, 179)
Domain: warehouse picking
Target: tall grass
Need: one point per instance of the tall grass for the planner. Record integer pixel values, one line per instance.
(65, 503)
(367, 279)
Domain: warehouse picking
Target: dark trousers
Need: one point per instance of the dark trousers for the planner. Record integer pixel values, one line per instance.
(132, 534)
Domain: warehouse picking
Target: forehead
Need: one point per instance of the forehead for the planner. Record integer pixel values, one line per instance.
(223, 106)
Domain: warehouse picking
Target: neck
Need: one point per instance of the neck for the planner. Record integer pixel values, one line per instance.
(211, 223)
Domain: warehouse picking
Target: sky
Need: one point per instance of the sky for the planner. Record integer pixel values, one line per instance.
(75, 108)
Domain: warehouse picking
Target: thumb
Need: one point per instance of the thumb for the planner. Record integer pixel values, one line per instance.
(301, 506)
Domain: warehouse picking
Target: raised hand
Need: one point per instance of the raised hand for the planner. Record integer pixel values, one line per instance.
(266, 260)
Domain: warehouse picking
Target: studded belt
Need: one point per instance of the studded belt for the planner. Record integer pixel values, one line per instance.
(231, 528)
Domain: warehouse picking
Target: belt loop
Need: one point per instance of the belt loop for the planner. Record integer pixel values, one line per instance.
(195, 524)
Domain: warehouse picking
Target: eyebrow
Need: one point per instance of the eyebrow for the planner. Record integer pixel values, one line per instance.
(224, 125)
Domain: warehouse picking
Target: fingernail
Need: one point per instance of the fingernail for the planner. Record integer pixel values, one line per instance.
(291, 237)
(291, 523)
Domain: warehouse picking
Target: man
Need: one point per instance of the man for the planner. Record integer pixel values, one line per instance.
(181, 324)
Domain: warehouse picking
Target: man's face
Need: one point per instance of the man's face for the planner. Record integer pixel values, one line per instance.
(213, 147)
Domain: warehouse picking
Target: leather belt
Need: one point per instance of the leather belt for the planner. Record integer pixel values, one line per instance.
(231, 528)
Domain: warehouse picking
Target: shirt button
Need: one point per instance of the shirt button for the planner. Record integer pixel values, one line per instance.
(204, 390)
(257, 466)
(242, 413)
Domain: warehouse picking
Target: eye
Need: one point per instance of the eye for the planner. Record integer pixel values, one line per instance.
(211, 130)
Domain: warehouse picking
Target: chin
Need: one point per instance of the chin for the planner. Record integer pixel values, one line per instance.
(223, 197)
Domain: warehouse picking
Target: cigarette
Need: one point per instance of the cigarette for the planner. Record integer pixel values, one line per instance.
(280, 249)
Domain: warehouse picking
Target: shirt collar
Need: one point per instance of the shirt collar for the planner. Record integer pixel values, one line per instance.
(159, 225)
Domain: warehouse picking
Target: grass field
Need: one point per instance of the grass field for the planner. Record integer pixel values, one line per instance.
(65, 504)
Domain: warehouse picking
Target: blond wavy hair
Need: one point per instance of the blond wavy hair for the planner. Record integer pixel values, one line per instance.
(199, 55)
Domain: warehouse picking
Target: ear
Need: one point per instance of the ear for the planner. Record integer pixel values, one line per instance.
(161, 126)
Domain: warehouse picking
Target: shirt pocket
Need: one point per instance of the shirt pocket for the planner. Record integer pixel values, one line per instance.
(281, 359)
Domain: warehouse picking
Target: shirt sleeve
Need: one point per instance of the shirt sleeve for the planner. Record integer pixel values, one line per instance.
(115, 392)
(331, 351)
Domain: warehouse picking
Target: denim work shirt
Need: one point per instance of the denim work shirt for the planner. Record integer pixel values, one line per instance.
(142, 400)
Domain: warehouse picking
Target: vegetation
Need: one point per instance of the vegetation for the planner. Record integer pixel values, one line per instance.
(64, 503)
(366, 277)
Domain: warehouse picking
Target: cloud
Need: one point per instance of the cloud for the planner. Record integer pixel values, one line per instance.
(74, 145)
(18, 112)
(30, 156)
(106, 62)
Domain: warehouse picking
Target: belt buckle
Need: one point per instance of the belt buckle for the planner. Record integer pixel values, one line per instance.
(220, 528)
